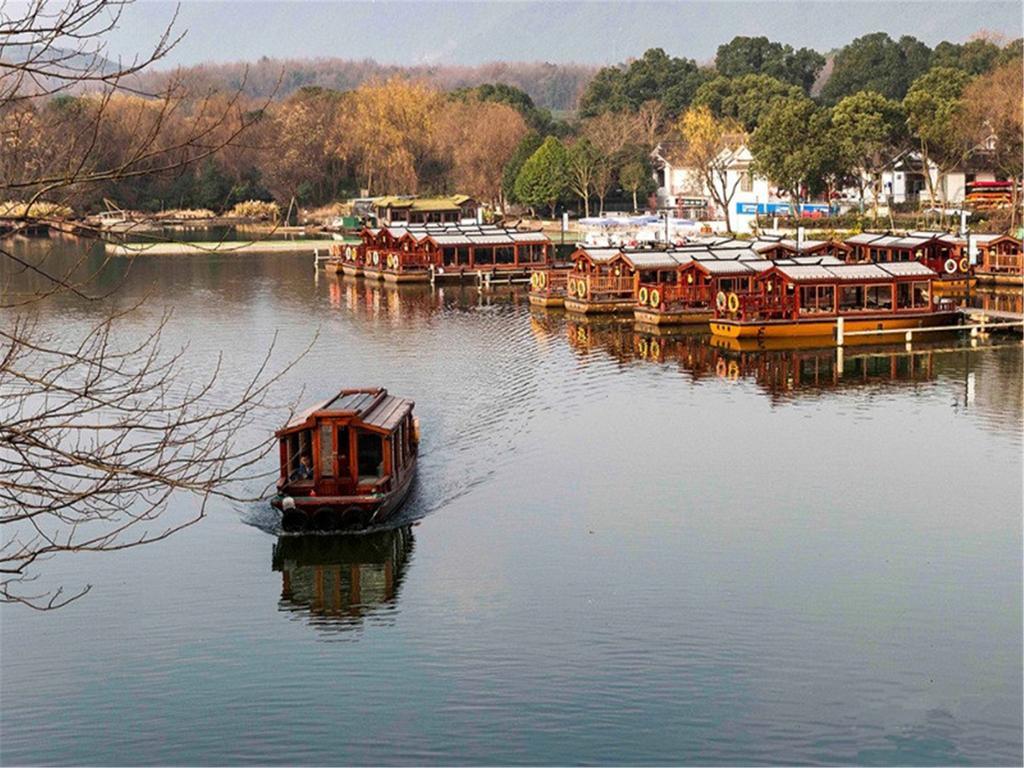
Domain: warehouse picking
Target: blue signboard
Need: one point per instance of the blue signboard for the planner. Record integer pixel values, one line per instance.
(781, 209)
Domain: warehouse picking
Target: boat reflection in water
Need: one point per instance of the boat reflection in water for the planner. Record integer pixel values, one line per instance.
(338, 582)
(782, 371)
(789, 371)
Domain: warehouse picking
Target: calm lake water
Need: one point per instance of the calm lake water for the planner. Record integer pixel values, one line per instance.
(619, 549)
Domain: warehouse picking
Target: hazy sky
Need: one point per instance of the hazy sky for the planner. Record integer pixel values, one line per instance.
(596, 32)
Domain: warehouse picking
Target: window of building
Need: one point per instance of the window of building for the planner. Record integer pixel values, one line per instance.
(746, 182)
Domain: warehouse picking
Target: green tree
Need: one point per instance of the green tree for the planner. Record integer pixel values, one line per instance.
(529, 144)
(794, 148)
(974, 57)
(636, 177)
(584, 166)
(544, 177)
(746, 98)
(868, 130)
(656, 75)
(760, 56)
(934, 107)
(877, 63)
(537, 119)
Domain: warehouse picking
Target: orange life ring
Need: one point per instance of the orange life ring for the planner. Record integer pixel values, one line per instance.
(965, 265)
(734, 302)
(533, 280)
(950, 266)
(655, 298)
(581, 289)
(720, 301)
(643, 295)
(376, 258)
(542, 279)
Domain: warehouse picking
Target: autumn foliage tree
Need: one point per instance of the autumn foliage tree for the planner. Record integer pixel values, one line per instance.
(993, 119)
(477, 138)
(709, 146)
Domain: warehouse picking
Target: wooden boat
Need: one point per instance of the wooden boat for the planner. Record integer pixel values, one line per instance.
(807, 300)
(548, 286)
(347, 462)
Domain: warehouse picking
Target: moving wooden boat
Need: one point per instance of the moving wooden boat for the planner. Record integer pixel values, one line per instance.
(806, 300)
(347, 462)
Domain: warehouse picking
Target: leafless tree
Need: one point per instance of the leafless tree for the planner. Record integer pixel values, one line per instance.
(98, 433)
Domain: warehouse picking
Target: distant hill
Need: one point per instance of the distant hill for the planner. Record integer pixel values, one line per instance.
(553, 86)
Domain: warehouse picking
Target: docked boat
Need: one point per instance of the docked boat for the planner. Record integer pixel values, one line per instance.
(347, 462)
(808, 300)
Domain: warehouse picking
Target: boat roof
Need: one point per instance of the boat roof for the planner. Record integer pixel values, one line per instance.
(889, 240)
(463, 234)
(853, 272)
(599, 255)
(374, 407)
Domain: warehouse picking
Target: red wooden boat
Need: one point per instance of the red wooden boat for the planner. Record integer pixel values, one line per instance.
(347, 462)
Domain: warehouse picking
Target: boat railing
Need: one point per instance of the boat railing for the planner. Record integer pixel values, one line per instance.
(665, 295)
(548, 281)
(755, 306)
(1011, 263)
(596, 287)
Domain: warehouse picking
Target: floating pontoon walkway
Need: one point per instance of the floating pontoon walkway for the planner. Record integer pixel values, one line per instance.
(229, 247)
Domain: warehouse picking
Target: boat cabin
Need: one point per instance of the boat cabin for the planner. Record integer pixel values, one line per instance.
(801, 291)
(356, 450)
(403, 209)
(999, 256)
(775, 248)
(414, 252)
(939, 251)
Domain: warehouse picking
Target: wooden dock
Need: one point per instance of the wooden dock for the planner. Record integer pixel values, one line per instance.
(226, 247)
(977, 314)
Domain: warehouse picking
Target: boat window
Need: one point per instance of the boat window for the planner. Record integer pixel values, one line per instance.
(505, 254)
(922, 296)
(327, 450)
(369, 455)
(448, 256)
(462, 255)
(819, 298)
(904, 298)
(298, 444)
(827, 298)
(343, 467)
(483, 255)
(879, 297)
(851, 297)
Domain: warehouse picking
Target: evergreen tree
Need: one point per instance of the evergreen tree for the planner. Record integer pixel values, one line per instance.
(544, 177)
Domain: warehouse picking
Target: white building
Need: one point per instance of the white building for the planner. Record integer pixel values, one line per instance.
(683, 190)
(904, 181)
